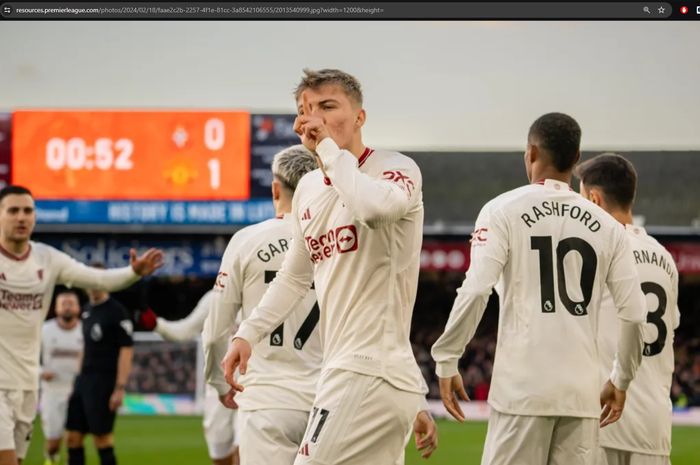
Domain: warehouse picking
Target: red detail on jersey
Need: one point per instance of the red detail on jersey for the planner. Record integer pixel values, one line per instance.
(219, 284)
(40, 274)
(365, 155)
(479, 236)
(327, 181)
(12, 256)
(306, 216)
(2, 276)
(401, 179)
(336, 241)
(304, 450)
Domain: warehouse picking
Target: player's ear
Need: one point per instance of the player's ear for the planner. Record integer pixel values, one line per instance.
(361, 117)
(276, 189)
(595, 196)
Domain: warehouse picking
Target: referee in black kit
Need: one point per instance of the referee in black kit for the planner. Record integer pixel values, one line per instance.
(99, 388)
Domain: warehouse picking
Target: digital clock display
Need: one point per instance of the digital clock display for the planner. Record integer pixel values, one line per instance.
(132, 155)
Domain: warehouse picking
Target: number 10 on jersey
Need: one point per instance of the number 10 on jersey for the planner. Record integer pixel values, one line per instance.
(543, 245)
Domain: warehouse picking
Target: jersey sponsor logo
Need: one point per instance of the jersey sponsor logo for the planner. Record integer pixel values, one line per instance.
(336, 241)
(20, 301)
(402, 180)
(306, 216)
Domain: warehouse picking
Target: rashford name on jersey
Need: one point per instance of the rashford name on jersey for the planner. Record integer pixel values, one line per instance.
(552, 208)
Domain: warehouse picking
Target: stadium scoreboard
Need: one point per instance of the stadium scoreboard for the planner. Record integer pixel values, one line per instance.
(145, 167)
(132, 155)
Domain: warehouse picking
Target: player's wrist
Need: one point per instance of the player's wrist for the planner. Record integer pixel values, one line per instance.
(120, 387)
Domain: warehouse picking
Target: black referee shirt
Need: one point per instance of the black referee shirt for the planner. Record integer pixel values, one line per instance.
(106, 329)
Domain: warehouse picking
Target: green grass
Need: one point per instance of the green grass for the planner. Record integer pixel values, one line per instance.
(179, 441)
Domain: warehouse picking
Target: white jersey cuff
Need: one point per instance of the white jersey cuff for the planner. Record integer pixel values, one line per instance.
(446, 369)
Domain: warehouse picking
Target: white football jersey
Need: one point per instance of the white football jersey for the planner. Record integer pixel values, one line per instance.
(357, 235)
(190, 327)
(61, 354)
(550, 254)
(285, 366)
(645, 426)
(26, 289)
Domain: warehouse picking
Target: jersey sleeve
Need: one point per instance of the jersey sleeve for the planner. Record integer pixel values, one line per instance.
(626, 290)
(489, 253)
(225, 303)
(284, 293)
(191, 326)
(373, 201)
(623, 283)
(72, 273)
(125, 330)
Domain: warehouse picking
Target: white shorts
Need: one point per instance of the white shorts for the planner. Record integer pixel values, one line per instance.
(357, 420)
(219, 422)
(54, 410)
(270, 436)
(607, 456)
(528, 440)
(17, 411)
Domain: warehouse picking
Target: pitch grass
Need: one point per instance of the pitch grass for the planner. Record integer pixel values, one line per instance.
(179, 441)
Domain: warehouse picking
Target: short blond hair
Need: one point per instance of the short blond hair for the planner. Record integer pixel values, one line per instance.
(315, 79)
(291, 164)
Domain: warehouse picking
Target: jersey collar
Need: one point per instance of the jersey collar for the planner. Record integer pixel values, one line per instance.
(553, 184)
(18, 258)
(636, 230)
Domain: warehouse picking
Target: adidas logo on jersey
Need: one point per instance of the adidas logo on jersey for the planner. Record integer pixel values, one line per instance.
(336, 241)
(306, 216)
(304, 450)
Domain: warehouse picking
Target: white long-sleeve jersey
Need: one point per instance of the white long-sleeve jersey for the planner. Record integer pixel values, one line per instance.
(285, 366)
(645, 426)
(190, 327)
(26, 289)
(551, 252)
(61, 354)
(357, 235)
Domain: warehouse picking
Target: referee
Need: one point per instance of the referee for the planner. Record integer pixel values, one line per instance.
(99, 388)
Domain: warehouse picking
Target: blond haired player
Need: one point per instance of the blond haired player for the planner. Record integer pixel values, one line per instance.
(28, 273)
(643, 434)
(274, 409)
(551, 254)
(218, 421)
(61, 353)
(357, 227)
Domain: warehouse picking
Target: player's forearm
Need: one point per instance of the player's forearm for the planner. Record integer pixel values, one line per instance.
(629, 354)
(464, 318)
(179, 331)
(126, 355)
(214, 352)
(373, 201)
(110, 280)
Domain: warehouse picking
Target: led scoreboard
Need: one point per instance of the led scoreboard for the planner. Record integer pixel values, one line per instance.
(132, 155)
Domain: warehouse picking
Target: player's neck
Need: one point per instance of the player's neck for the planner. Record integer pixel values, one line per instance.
(624, 217)
(17, 248)
(282, 207)
(551, 173)
(357, 148)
